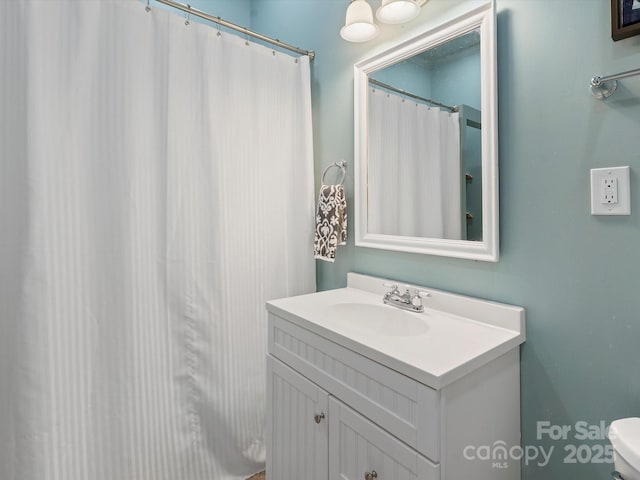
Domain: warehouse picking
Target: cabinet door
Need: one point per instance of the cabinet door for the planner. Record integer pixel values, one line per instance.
(297, 426)
(358, 448)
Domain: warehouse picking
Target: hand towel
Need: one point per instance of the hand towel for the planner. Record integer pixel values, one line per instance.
(331, 222)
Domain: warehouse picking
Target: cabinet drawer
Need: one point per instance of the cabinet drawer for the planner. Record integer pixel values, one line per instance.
(400, 405)
(357, 447)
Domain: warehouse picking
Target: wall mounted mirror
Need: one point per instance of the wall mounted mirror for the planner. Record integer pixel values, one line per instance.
(426, 142)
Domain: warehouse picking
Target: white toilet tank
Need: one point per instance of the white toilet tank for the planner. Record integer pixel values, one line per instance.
(624, 435)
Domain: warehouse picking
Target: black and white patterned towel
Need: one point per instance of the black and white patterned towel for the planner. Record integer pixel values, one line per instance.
(331, 222)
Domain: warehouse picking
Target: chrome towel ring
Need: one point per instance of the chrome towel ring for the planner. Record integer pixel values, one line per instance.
(341, 165)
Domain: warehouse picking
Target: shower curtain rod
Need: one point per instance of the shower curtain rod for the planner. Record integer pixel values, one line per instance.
(273, 41)
(411, 95)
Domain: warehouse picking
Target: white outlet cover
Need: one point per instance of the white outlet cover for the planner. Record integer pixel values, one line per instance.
(623, 185)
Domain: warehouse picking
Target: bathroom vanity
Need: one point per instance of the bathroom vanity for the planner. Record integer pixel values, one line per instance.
(362, 390)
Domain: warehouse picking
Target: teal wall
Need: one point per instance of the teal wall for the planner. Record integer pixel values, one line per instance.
(457, 81)
(576, 275)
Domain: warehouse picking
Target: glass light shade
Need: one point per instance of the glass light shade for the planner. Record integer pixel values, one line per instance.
(397, 11)
(359, 26)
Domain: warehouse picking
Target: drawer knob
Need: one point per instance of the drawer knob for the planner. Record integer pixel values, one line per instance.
(318, 417)
(370, 475)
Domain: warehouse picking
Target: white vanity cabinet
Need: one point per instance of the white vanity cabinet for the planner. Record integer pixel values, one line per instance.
(340, 407)
(311, 432)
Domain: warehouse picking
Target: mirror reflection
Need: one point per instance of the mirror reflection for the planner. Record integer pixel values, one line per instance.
(424, 176)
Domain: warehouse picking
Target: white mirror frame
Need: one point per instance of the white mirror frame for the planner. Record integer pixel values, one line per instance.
(483, 17)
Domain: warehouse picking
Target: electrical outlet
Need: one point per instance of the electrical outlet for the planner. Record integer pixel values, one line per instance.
(610, 191)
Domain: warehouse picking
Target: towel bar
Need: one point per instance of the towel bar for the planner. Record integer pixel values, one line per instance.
(603, 87)
(341, 165)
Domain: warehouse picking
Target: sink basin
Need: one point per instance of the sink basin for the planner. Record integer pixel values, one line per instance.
(380, 320)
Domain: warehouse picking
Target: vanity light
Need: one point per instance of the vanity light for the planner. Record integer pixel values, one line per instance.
(399, 11)
(359, 26)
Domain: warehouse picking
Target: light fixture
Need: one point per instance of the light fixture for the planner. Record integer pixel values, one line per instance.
(399, 11)
(359, 26)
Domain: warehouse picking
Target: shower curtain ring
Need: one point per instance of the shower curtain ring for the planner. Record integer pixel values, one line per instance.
(186, 15)
(219, 34)
(147, 8)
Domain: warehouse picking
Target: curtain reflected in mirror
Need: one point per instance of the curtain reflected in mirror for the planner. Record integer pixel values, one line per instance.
(425, 144)
(418, 193)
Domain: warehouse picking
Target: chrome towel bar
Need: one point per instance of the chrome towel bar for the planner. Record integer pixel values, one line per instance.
(603, 87)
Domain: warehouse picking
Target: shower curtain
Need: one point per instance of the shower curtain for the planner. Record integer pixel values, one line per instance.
(155, 190)
(414, 173)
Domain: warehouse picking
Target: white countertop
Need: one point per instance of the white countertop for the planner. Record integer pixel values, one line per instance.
(460, 333)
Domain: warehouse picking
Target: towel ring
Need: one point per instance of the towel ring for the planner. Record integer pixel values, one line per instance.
(341, 165)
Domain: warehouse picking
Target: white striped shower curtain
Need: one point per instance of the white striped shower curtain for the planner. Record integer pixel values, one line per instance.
(155, 190)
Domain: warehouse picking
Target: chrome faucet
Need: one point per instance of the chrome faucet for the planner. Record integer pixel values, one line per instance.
(410, 300)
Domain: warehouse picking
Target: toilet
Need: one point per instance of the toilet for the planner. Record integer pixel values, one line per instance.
(624, 435)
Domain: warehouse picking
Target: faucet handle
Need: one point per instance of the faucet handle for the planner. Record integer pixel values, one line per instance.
(417, 295)
(392, 286)
(416, 292)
